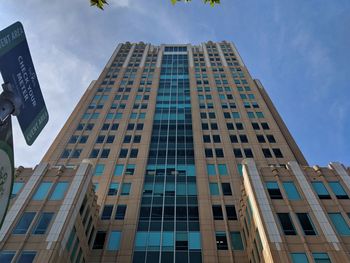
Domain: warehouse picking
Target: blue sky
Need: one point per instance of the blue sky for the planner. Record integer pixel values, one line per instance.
(298, 49)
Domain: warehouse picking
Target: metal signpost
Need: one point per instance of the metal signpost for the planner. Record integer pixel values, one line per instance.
(21, 97)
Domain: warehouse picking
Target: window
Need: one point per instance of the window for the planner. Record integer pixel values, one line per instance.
(339, 224)
(271, 138)
(107, 212)
(231, 212)
(233, 139)
(222, 169)
(26, 257)
(321, 258)
(110, 139)
(43, 223)
(114, 240)
(211, 169)
(338, 190)
(299, 258)
(130, 169)
(100, 139)
(267, 152)
(120, 212)
(248, 153)
(94, 153)
(217, 212)
(277, 152)
(286, 224)
(42, 191)
(134, 153)
(113, 188)
(306, 224)
(226, 188)
(236, 241)
(126, 189)
(238, 153)
(214, 189)
(99, 240)
(291, 190)
(118, 170)
(99, 169)
(208, 152)
(221, 241)
(255, 126)
(216, 138)
(260, 138)
(243, 138)
(219, 153)
(105, 153)
(274, 191)
(17, 186)
(265, 126)
(321, 190)
(59, 191)
(137, 139)
(24, 223)
(123, 153)
(6, 256)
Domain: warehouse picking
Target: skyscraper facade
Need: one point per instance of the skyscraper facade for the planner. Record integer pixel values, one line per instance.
(176, 154)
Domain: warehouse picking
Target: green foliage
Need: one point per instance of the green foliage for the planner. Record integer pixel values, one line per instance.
(212, 2)
(98, 3)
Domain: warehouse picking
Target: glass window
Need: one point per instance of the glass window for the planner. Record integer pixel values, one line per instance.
(321, 190)
(340, 224)
(338, 190)
(99, 240)
(286, 224)
(306, 224)
(26, 257)
(231, 212)
(168, 241)
(211, 169)
(299, 258)
(221, 241)
(6, 256)
(99, 169)
(24, 223)
(118, 171)
(43, 223)
(17, 186)
(42, 191)
(114, 240)
(126, 189)
(194, 240)
(141, 240)
(214, 189)
(291, 190)
(113, 188)
(321, 258)
(226, 188)
(107, 212)
(222, 169)
(273, 190)
(59, 191)
(236, 241)
(217, 212)
(120, 212)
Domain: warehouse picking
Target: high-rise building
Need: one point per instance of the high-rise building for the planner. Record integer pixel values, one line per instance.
(176, 154)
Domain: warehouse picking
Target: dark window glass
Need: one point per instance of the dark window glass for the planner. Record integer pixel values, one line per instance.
(217, 212)
(107, 212)
(205, 126)
(99, 240)
(227, 115)
(214, 126)
(238, 153)
(127, 139)
(105, 153)
(221, 241)
(94, 153)
(255, 126)
(115, 126)
(120, 213)
(83, 139)
(248, 153)
(208, 152)
(265, 126)
(133, 153)
(206, 138)
(243, 138)
(277, 152)
(230, 126)
(139, 126)
(233, 138)
(286, 224)
(110, 139)
(89, 126)
(271, 138)
(123, 153)
(226, 188)
(267, 152)
(26, 257)
(219, 153)
(105, 126)
(231, 212)
(216, 138)
(239, 126)
(80, 127)
(100, 139)
(260, 138)
(306, 224)
(43, 223)
(24, 223)
(130, 126)
(73, 139)
(273, 190)
(137, 139)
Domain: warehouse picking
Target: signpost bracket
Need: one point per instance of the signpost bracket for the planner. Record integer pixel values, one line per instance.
(10, 103)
